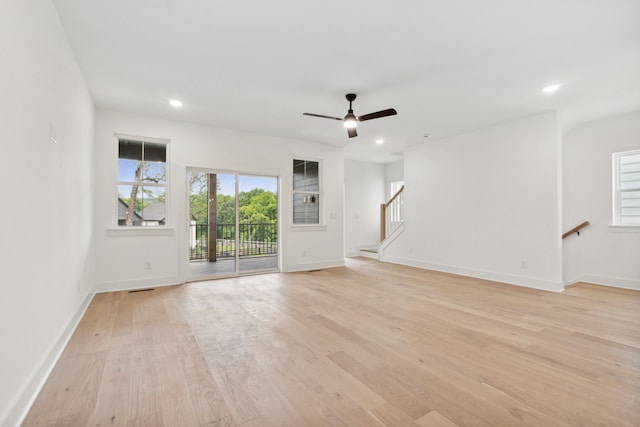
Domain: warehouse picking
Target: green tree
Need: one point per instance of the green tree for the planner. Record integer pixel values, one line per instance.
(261, 208)
(259, 211)
(226, 209)
(199, 196)
(198, 207)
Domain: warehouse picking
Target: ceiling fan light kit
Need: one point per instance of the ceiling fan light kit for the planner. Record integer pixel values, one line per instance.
(350, 121)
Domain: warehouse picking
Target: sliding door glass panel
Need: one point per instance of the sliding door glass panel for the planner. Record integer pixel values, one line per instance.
(212, 227)
(257, 223)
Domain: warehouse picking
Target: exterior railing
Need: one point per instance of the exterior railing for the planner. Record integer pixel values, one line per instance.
(253, 240)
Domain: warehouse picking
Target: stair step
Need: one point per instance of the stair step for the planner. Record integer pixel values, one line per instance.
(372, 250)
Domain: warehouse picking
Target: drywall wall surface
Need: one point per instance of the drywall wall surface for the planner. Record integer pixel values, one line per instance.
(602, 254)
(122, 257)
(393, 172)
(47, 199)
(486, 204)
(364, 192)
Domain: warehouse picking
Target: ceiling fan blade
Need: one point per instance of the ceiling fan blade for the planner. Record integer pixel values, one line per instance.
(352, 132)
(378, 114)
(321, 116)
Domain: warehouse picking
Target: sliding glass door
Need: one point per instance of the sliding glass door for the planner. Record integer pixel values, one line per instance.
(233, 226)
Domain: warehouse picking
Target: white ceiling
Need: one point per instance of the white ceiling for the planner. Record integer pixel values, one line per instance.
(447, 66)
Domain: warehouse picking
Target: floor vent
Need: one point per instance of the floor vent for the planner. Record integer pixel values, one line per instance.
(142, 290)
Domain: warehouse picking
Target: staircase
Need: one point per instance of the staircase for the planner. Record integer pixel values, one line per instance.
(391, 215)
(391, 220)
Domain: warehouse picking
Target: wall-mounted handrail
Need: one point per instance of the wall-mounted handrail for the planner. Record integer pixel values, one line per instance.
(575, 229)
(389, 221)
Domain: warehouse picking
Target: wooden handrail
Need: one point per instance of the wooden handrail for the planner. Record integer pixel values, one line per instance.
(575, 229)
(394, 197)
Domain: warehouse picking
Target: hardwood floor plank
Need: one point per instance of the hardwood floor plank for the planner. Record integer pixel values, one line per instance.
(112, 403)
(412, 401)
(434, 419)
(369, 344)
(391, 416)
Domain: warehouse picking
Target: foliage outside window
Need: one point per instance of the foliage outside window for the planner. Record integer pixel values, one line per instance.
(306, 192)
(142, 183)
(626, 188)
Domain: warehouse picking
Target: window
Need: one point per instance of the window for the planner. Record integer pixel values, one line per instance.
(395, 186)
(306, 192)
(142, 183)
(626, 188)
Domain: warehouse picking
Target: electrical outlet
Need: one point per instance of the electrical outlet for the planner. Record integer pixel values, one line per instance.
(523, 263)
(304, 253)
(147, 265)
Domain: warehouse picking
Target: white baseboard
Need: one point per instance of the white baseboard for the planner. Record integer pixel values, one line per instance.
(20, 407)
(314, 266)
(614, 282)
(510, 279)
(128, 285)
(351, 254)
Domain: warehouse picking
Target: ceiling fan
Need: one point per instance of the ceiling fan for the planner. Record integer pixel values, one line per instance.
(350, 121)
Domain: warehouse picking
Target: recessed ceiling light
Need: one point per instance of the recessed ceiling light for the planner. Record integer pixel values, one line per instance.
(551, 88)
(379, 141)
(175, 103)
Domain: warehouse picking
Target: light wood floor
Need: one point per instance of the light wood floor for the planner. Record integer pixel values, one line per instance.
(371, 344)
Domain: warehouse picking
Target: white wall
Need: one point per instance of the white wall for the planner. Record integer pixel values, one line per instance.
(46, 215)
(481, 203)
(393, 172)
(364, 192)
(601, 254)
(121, 257)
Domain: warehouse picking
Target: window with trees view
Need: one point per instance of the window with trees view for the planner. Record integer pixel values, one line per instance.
(306, 192)
(142, 183)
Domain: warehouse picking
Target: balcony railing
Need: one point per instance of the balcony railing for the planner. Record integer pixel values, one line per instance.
(254, 240)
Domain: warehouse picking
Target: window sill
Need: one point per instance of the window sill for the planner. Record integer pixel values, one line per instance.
(624, 228)
(140, 231)
(307, 227)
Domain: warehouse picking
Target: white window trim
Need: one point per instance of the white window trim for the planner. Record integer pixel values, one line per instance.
(117, 230)
(141, 231)
(616, 225)
(614, 228)
(321, 225)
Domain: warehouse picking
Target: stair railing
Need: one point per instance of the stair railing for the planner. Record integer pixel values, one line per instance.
(391, 214)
